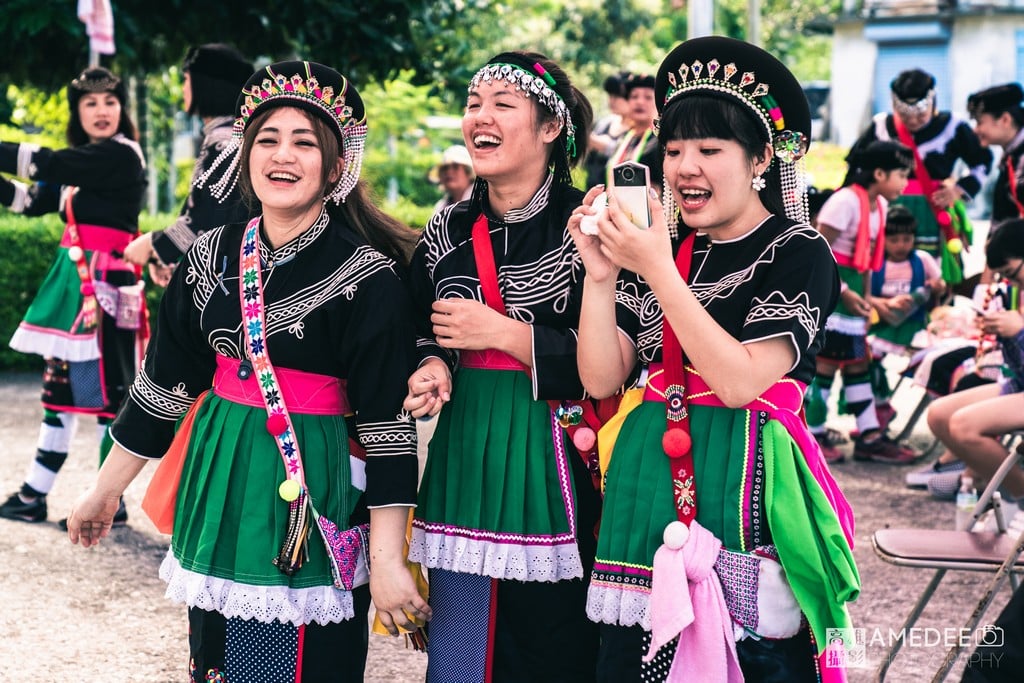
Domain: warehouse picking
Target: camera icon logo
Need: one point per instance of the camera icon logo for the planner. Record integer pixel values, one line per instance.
(989, 636)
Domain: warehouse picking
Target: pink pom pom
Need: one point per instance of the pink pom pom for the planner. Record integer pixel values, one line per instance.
(584, 439)
(87, 289)
(276, 424)
(676, 442)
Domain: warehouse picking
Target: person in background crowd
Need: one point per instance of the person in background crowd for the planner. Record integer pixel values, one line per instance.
(938, 139)
(455, 176)
(295, 319)
(853, 222)
(507, 508)
(640, 143)
(88, 318)
(212, 75)
(608, 129)
(999, 120)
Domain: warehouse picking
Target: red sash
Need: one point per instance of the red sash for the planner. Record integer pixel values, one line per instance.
(1011, 177)
(927, 184)
(578, 414)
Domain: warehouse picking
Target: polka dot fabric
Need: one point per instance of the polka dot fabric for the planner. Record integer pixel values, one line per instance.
(656, 670)
(460, 627)
(258, 652)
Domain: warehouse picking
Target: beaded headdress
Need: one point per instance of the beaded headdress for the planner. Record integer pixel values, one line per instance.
(911, 108)
(94, 80)
(732, 69)
(315, 88)
(530, 79)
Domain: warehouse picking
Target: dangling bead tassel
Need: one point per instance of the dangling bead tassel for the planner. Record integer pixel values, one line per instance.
(668, 209)
(295, 549)
(418, 640)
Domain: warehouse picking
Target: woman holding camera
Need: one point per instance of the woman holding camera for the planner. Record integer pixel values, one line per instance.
(506, 510)
(721, 524)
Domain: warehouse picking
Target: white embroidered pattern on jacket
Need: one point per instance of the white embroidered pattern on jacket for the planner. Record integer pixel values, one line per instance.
(163, 404)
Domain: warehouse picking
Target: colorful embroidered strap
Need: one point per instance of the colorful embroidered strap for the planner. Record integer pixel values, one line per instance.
(578, 418)
(927, 184)
(76, 253)
(677, 443)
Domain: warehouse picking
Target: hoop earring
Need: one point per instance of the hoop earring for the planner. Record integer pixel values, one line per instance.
(758, 183)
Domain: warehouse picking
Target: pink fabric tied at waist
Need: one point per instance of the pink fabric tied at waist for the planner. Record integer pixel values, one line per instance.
(914, 187)
(783, 401)
(489, 359)
(304, 393)
(102, 240)
(707, 645)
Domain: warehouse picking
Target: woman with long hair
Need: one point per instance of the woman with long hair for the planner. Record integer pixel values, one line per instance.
(301, 324)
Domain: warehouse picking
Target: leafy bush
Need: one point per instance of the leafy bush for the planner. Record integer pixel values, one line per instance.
(29, 246)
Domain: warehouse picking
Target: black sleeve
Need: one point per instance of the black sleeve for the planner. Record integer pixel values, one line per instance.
(179, 365)
(107, 164)
(798, 293)
(422, 289)
(381, 354)
(977, 158)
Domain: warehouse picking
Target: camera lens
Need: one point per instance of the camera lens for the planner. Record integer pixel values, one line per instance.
(628, 174)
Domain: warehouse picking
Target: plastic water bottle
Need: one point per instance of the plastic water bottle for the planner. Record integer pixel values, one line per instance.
(966, 500)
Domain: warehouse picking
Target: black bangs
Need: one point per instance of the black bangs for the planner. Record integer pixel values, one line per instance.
(694, 117)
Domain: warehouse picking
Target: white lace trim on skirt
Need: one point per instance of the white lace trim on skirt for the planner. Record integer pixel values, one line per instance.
(550, 560)
(610, 605)
(72, 348)
(296, 606)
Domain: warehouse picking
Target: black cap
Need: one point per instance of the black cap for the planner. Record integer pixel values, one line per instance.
(995, 100)
(314, 87)
(725, 67)
(218, 61)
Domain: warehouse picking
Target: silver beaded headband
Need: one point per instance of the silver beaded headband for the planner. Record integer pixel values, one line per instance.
(921, 106)
(538, 84)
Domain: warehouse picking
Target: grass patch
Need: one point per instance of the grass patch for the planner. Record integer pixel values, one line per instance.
(825, 165)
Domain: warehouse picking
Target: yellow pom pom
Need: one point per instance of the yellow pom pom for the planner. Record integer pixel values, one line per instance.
(954, 246)
(289, 490)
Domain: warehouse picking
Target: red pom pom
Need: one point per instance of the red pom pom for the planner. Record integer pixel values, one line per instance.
(86, 289)
(584, 439)
(276, 424)
(676, 442)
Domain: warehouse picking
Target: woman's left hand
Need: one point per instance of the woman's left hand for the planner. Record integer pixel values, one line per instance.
(1003, 323)
(396, 598)
(467, 324)
(628, 246)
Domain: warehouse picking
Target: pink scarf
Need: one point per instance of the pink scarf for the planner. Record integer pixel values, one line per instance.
(707, 646)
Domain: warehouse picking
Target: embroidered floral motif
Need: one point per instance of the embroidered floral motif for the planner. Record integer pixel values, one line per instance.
(682, 484)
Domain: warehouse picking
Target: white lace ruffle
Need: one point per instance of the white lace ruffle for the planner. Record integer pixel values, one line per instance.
(844, 324)
(296, 606)
(73, 349)
(496, 560)
(608, 605)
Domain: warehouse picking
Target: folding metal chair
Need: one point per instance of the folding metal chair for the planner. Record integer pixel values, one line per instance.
(944, 550)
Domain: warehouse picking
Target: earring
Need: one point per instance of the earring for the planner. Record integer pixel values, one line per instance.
(758, 183)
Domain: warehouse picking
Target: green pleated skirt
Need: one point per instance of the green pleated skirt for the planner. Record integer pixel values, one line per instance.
(497, 496)
(755, 493)
(230, 521)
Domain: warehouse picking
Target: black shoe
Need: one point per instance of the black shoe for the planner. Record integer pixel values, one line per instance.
(17, 509)
(120, 517)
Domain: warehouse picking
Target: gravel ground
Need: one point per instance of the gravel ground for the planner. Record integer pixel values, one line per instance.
(97, 615)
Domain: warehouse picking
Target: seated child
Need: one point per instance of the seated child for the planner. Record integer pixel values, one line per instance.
(902, 292)
(853, 222)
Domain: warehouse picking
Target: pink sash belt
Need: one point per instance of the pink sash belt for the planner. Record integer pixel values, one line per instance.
(783, 401)
(99, 238)
(303, 392)
(489, 359)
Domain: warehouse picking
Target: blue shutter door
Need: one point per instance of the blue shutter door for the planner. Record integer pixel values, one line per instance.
(933, 58)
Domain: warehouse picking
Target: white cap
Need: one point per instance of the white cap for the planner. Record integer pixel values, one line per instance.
(456, 154)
